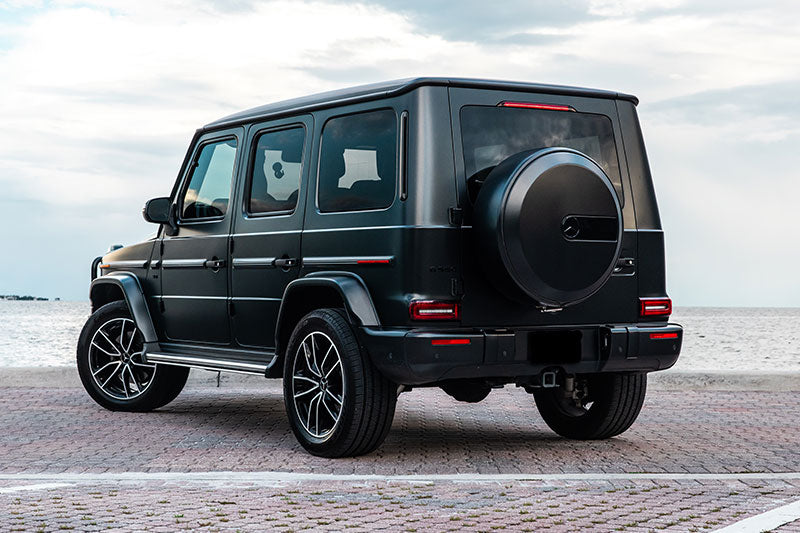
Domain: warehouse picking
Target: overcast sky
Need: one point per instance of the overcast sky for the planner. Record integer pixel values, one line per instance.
(99, 99)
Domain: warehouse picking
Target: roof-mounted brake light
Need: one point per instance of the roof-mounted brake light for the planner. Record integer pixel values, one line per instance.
(531, 105)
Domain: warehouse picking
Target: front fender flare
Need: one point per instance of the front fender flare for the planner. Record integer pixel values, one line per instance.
(131, 289)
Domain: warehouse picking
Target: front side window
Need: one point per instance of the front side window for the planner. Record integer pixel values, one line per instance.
(358, 162)
(491, 134)
(277, 164)
(209, 187)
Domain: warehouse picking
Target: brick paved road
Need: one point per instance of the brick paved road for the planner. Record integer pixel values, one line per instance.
(227, 430)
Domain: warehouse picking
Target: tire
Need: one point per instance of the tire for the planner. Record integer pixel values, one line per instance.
(336, 408)
(111, 369)
(548, 227)
(612, 403)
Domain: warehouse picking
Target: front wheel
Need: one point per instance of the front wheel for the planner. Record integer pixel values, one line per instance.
(339, 405)
(112, 369)
(606, 405)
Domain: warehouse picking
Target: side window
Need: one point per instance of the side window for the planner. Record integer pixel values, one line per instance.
(275, 176)
(209, 187)
(358, 162)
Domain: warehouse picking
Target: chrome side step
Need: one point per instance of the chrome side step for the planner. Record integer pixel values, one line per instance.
(207, 363)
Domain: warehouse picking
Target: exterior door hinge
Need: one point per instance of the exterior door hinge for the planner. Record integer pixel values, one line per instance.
(456, 287)
(456, 216)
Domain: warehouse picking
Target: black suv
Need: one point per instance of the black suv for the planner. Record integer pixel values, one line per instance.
(465, 234)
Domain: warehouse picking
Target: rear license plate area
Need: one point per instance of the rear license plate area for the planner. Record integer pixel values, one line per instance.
(554, 347)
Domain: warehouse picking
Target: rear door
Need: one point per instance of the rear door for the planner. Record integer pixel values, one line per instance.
(482, 139)
(265, 247)
(194, 261)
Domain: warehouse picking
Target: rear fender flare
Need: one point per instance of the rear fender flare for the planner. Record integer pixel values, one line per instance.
(351, 289)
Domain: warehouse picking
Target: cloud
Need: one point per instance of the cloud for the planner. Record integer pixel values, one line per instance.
(100, 99)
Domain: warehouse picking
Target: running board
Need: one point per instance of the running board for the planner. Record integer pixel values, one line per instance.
(205, 363)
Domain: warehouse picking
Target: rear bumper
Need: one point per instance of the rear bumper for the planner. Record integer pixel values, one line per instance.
(417, 357)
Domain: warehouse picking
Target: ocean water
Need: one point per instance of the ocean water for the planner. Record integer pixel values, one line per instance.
(716, 338)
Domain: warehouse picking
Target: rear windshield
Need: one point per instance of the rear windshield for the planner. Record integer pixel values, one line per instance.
(491, 134)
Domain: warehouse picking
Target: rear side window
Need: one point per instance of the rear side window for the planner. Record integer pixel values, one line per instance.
(209, 187)
(358, 162)
(275, 175)
(491, 134)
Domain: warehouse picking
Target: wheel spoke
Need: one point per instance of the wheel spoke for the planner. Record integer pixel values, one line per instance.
(308, 357)
(333, 416)
(332, 395)
(124, 383)
(130, 342)
(303, 378)
(122, 333)
(104, 350)
(114, 373)
(101, 332)
(314, 355)
(316, 414)
(104, 367)
(309, 391)
(338, 363)
(327, 353)
(132, 374)
(310, 407)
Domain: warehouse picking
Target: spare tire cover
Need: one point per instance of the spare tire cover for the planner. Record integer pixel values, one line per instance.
(548, 225)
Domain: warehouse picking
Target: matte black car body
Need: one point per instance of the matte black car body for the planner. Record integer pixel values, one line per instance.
(226, 294)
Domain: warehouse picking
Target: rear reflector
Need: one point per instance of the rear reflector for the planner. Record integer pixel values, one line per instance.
(655, 307)
(530, 105)
(433, 310)
(374, 261)
(656, 336)
(449, 342)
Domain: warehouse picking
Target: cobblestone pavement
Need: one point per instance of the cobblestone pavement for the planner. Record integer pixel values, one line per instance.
(727, 434)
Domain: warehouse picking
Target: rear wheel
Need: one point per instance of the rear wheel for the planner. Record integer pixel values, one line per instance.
(339, 405)
(606, 406)
(111, 365)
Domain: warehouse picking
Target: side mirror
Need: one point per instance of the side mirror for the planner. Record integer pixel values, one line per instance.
(161, 211)
(157, 211)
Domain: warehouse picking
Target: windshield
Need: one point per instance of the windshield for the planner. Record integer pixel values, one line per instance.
(491, 134)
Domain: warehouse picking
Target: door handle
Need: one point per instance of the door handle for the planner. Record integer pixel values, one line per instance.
(214, 264)
(285, 262)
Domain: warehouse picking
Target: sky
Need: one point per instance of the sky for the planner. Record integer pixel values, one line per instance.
(99, 100)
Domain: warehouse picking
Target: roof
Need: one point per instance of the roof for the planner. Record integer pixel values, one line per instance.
(386, 89)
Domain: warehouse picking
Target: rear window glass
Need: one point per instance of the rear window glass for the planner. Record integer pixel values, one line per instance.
(277, 163)
(358, 162)
(491, 134)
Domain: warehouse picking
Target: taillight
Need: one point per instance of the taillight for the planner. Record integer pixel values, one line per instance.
(530, 105)
(655, 307)
(433, 310)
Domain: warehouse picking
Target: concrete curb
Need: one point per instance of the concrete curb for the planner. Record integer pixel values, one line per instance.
(67, 377)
